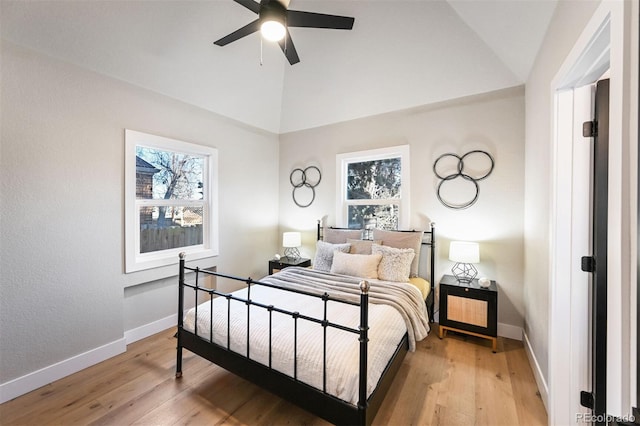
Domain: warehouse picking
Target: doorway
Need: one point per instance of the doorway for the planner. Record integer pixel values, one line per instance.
(571, 359)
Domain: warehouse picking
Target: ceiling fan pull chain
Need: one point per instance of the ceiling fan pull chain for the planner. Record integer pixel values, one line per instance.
(260, 51)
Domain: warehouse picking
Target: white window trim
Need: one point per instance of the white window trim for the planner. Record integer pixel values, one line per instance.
(343, 160)
(136, 261)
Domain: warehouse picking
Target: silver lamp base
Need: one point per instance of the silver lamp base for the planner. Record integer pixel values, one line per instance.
(464, 272)
(292, 253)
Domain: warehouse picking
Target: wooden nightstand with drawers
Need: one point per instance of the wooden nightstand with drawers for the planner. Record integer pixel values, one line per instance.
(469, 308)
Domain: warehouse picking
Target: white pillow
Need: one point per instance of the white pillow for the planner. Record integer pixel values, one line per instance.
(395, 264)
(324, 254)
(356, 265)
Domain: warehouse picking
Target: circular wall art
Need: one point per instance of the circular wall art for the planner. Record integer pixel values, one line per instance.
(471, 176)
(307, 178)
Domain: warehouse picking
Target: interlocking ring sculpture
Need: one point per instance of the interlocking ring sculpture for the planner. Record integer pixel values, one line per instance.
(461, 174)
(300, 178)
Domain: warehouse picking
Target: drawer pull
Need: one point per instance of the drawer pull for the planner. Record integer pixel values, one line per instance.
(466, 289)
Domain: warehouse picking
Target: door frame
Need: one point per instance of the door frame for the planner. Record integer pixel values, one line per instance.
(601, 43)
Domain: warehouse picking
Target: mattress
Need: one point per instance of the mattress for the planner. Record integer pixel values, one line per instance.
(387, 327)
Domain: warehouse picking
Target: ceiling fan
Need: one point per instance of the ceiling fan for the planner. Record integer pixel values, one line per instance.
(274, 21)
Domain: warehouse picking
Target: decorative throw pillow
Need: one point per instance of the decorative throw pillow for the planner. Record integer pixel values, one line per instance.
(340, 236)
(356, 265)
(361, 246)
(324, 254)
(402, 239)
(395, 264)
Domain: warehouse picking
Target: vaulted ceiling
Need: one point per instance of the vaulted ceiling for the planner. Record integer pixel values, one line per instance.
(400, 54)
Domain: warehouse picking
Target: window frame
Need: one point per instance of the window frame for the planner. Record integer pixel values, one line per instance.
(136, 261)
(342, 203)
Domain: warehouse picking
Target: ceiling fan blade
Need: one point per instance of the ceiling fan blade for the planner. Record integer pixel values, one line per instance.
(250, 28)
(287, 46)
(250, 4)
(297, 18)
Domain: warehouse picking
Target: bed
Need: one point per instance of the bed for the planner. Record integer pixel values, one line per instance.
(402, 239)
(327, 341)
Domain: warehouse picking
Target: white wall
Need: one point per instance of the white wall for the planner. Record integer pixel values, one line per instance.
(493, 122)
(62, 286)
(570, 20)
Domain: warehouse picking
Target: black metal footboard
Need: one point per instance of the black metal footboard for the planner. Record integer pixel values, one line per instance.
(317, 401)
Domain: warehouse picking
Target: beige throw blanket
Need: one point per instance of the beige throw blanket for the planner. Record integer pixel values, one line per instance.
(404, 297)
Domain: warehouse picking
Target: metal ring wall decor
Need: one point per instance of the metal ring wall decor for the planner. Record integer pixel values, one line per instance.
(461, 174)
(300, 178)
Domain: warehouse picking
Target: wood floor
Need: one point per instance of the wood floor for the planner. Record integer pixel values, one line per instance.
(454, 381)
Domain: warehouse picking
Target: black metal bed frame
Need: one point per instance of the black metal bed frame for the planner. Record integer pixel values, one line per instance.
(316, 401)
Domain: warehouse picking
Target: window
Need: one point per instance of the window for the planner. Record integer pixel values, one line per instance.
(171, 201)
(373, 188)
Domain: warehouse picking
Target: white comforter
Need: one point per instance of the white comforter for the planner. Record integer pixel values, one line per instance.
(387, 326)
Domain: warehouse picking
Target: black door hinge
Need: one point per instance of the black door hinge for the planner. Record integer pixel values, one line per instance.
(586, 399)
(588, 264)
(590, 129)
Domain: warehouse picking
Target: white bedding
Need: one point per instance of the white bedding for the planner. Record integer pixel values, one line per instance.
(386, 329)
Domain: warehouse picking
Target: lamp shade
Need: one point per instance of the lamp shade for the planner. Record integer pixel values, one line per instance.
(291, 239)
(464, 252)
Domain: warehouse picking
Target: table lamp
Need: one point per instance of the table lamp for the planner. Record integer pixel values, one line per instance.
(291, 241)
(465, 254)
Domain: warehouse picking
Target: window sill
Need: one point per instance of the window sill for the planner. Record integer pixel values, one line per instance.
(153, 274)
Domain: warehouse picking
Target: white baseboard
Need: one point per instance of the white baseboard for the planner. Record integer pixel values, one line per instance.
(537, 372)
(27, 383)
(22, 385)
(510, 331)
(150, 329)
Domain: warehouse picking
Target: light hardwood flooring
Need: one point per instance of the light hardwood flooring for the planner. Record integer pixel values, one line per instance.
(454, 381)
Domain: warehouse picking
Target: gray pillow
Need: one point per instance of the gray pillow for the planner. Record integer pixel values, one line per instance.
(340, 236)
(395, 264)
(324, 254)
(361, 246)
(401, 239)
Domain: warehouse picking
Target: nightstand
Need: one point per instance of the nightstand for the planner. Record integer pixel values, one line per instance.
(469, 308)
(275, 265)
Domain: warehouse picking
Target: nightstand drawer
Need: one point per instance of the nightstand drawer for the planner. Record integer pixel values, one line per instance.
(469, 311)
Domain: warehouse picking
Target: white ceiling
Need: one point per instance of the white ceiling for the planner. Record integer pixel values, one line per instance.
(400, 54)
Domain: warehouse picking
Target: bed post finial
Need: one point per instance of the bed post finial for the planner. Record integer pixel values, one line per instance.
(364, 286)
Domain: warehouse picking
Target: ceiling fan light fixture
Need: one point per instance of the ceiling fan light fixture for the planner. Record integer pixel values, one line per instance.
(272, 30)
(274, 21)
